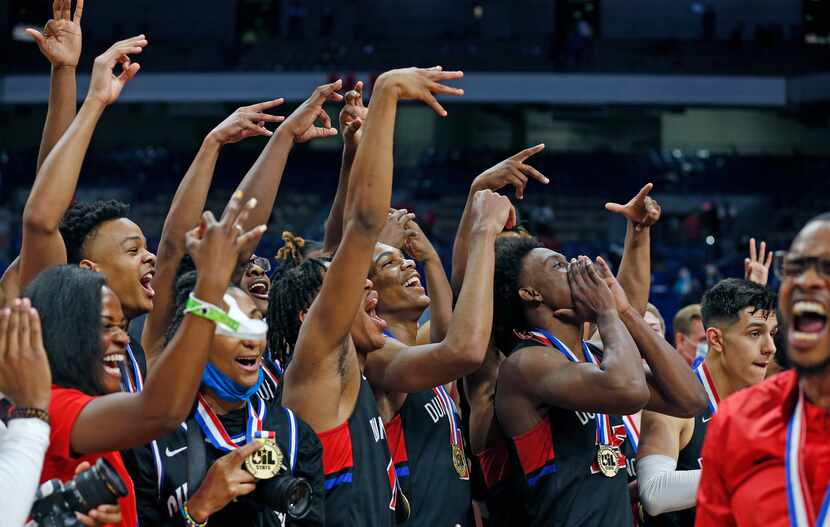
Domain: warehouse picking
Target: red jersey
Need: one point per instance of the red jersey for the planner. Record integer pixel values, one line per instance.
(743, 483)
(60, 462)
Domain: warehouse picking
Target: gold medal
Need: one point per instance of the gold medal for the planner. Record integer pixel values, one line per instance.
(459, 461)
(607, 460)
(266, 462)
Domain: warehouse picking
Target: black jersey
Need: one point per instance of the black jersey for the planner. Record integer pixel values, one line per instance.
(161, 473)
(419, 438)
(503, 500)
(360, 479)
(562, 483)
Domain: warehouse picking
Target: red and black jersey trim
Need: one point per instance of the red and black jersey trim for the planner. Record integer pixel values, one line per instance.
(397, 446)
(338, 461)
(535, 452)
(495, 464)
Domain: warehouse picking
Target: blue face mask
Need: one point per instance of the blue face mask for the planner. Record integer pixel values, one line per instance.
(225, 388)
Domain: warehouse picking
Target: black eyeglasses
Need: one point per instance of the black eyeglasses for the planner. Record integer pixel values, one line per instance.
(787, 265)
(260, 261)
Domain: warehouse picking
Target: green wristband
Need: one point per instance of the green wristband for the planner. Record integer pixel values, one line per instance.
(203, 309)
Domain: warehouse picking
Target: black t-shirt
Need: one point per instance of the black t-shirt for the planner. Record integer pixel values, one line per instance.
(562, 485)
(359, 474)
(419, 437)
(161, 491)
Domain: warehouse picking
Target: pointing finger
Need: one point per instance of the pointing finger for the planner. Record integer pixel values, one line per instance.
(527, 152)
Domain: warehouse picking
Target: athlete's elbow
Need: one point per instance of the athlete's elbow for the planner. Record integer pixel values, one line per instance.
(37, 220)
(468, 355)
(631, 397)
(651, 504)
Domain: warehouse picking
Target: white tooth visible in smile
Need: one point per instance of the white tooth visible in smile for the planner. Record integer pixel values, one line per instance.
(804, 306)
(800, 335)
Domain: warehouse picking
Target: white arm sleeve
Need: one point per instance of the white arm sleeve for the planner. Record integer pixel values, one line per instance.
(22, 447)
(664, 489)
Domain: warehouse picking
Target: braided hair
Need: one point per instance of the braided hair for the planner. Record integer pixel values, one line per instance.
(82, 219)
(508, 311)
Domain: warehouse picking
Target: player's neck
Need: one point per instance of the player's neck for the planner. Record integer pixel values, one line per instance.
(816, 387)
(219, 405)
(569, 334)
(403, 327)
(725, 385)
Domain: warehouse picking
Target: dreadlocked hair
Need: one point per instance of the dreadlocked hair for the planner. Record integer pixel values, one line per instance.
(508, 311)
(292, 250)
(290, 295)
(82, 219)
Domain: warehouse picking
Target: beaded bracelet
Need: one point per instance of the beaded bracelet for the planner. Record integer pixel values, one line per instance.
(30, 413)
(189, 519)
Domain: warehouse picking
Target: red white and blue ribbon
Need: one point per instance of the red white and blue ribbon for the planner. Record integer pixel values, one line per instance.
(602, 421)
(217, 435)
(802, 513)
(127, 384)
(705, 378)
(632, 431)
(456, 439)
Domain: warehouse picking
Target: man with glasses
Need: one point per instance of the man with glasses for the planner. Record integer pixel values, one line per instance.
(766, 459)
(740, 321)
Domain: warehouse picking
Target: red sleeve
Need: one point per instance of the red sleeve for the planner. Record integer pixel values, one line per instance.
(713, 498)
(64, 409)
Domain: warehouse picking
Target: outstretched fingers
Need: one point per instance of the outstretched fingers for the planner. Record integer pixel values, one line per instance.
(79, 11)
(266, 105)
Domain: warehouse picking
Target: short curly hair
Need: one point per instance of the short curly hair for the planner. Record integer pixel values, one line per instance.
(508, 312)
(723, 303)
(82, 219)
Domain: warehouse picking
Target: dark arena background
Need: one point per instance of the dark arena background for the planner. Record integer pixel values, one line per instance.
(723, 104)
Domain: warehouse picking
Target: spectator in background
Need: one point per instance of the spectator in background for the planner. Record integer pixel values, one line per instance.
(655, 320)
(689, 336)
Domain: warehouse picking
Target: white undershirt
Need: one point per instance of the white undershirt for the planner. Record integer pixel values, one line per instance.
(23, 445)
(663, 488)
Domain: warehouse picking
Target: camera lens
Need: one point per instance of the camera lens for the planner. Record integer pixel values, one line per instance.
(286, 494)
(99, 485)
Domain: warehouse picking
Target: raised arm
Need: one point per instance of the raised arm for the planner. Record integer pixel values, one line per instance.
(60, 43)
(186, 210)
(419, 247)
(634, 274)
(617, 386)
(756, 267)
(56, 180)
(263, 179)
(315, 364)
(352, 117)
(399, 368)
(121, 421)
(674, 390)
(512, 171)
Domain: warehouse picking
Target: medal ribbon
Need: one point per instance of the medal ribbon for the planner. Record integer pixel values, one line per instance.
(456, 439)
(216, 433)
(126, 382)
(602, 421)
(705, 378)
(632, 431)
(798, 503)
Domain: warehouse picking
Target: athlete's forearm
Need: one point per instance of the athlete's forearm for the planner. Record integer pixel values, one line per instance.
(635, 268)
(681, 395)
(620, 360)
(440, 296)
(334, 223)
(61, 110)
(460, 247)
(663, 488)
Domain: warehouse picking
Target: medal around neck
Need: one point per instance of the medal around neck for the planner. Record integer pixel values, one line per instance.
(607, 460)
(459, 461)
(266, 462)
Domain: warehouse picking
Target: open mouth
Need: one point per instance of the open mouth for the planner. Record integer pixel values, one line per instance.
(370, 305)
(259, 289)
(112, 363)
(809, 321)
(145, 283)
(249, 363)
(414, 281)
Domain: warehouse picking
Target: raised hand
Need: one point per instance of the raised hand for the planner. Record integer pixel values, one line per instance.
(591, 295)
(416, 244)
(225, 481)
(25, 377)
(756, 267)
(421, 84)
(641, 210)
(101, 515)
(604, 272)
(247, 121)
(511, 171)
(104, 86)
(492, 212)
(60, 41)
(301, 121)
(352, 117)
(394, 231)
(215, 245)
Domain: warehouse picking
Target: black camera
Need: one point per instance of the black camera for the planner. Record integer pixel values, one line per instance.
(285, 493)
(56, 502)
